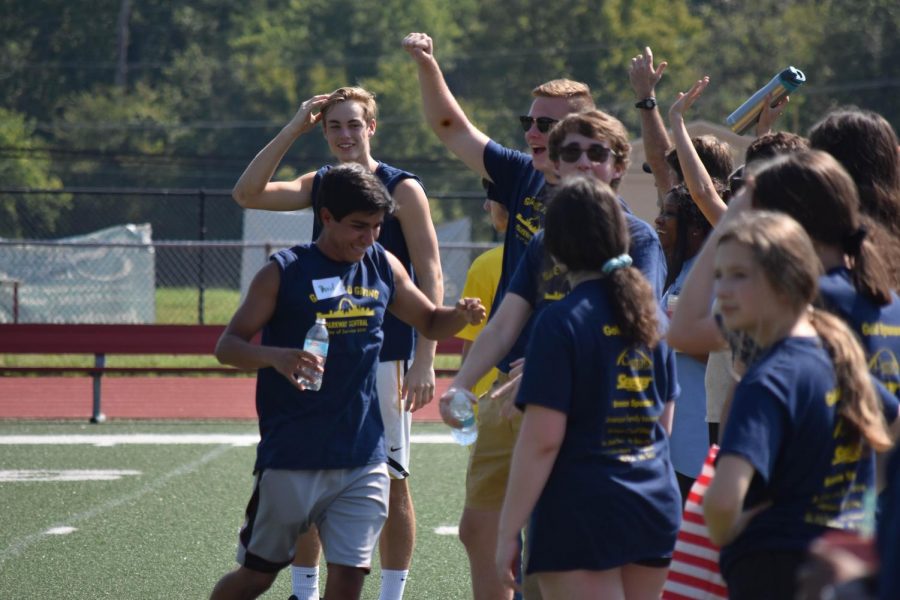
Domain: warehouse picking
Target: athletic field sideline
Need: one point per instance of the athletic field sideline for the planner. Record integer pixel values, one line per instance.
(151, 509)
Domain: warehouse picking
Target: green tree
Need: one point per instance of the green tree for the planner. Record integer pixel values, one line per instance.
(24, 164)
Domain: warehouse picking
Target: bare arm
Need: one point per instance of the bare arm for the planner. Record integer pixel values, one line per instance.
(696, 177)
(434, 322)
(494, 341)
(442, 112)
(693, 328)
(418, 231)
(537, 447)
(667, 418)
(255, 188)
(235, 347)
(724, 500)
(644, 77)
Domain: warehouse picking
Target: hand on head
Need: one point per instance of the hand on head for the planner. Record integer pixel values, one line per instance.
(305, 119)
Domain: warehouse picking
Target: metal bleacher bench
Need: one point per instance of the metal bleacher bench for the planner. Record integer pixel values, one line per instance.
(103, 340)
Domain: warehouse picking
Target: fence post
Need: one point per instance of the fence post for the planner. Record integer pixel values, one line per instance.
(97, 415)
(201, 284)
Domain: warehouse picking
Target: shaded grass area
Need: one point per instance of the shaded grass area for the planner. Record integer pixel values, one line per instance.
(171, 531)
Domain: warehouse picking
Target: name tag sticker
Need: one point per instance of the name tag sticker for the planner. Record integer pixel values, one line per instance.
(332, 287)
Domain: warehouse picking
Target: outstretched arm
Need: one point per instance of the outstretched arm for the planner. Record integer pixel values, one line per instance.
(696, 177)
(644, 77)
(434, 322)
(418, 231)
(442, 112)
(255, 188)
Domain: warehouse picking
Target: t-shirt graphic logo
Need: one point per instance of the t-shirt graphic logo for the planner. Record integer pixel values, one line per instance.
(330, 287)
(346, 310)
(885, 367)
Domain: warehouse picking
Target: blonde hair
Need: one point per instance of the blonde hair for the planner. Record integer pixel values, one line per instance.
(363, 97)
(785, 254)
(578, 94)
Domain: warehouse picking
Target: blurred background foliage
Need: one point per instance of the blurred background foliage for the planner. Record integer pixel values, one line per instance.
(164, 94)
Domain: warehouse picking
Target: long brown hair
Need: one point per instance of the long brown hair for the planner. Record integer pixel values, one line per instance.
(584, 227)
(785, 254)
(813, 187)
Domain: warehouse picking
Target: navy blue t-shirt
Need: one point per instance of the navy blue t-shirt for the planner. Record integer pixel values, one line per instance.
(611, 498)
(399, 338)
(340, 425)
(784, 422)
(878, 327)
(540, 281)
(889, 533)
(520, 188)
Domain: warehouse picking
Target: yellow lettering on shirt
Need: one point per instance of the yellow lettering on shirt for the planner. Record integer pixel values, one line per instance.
(633, 384)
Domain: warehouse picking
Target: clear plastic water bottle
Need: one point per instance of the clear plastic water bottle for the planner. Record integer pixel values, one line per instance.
(462, 409)
(316, 342)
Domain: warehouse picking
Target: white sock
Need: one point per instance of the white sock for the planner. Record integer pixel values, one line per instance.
(305, 582)
(392, 584)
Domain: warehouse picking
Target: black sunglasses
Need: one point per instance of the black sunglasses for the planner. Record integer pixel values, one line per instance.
(595, 152)
(543, 123)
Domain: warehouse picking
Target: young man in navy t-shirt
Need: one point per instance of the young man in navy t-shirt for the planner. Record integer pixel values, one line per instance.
(348, 120)
(321, 458)
(521, 182)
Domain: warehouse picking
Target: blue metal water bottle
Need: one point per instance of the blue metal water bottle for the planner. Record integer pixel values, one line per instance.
(780, 86)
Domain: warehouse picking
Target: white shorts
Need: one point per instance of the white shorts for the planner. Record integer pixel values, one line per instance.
(397, 421)
(348, 506)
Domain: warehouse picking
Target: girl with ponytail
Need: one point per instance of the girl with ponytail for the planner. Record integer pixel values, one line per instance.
(817, 191)
(797, 450)
(591, 465)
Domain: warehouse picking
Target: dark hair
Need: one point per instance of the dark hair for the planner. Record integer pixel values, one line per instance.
(584, 227)
(775, 144)
(866, 144)
(593, 124)
(689, 216)
(813, 188)
(785, 254)
(714, 154)
(350, 188)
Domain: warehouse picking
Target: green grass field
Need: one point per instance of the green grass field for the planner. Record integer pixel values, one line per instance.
(169, 529)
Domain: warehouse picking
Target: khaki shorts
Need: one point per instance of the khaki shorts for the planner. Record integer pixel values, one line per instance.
(492, 453)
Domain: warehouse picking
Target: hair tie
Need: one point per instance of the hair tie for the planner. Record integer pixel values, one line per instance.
(853, 242)
(617, 262)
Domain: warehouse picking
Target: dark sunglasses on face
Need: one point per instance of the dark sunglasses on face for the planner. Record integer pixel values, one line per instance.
(595, 153)
(543, 123)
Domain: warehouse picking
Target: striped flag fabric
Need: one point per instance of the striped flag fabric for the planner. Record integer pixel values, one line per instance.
(694, 572)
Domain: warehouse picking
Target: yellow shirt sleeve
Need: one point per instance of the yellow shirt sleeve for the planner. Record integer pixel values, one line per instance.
(481, 282)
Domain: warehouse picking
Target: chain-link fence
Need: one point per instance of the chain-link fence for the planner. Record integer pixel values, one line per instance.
(164, 256)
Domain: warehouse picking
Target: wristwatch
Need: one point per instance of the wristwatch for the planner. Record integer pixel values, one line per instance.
(646, 104)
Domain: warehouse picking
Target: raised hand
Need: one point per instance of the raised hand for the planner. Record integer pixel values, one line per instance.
(644, 76)
(770, 113)
(419, 46)
(686, 100)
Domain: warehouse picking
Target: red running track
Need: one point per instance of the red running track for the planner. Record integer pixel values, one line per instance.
(143, 398)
